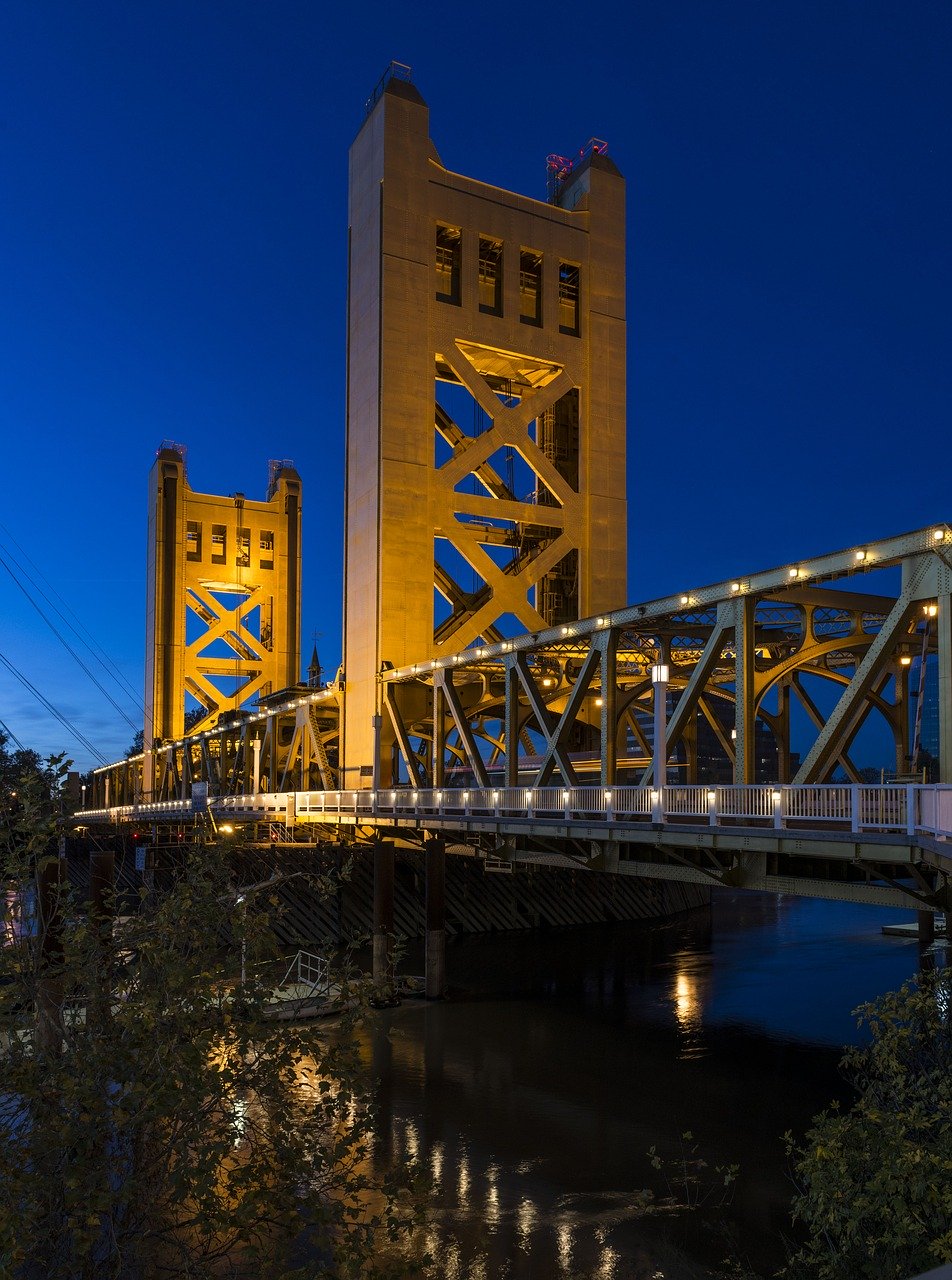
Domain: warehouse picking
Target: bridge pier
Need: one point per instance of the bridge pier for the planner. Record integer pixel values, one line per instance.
(383, 915)
(926, 922)
(435, 919)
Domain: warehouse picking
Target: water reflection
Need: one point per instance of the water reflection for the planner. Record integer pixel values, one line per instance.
(533, 1095)
(691, 982)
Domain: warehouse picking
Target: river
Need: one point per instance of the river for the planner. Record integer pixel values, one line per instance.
(533, 1093)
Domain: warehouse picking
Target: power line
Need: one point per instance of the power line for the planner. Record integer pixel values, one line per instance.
(76, 625)
(69, 649)
(67, 725)
(10, 734)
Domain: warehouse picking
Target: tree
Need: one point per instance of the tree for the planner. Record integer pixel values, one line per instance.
(875, 1182)
(168, 1128)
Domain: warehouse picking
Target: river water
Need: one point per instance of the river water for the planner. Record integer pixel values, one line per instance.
(533, 1093)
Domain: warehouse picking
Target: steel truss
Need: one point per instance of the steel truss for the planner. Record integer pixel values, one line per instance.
(577, 702)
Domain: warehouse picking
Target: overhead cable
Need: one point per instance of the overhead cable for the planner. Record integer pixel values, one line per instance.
(69, 649)
(75, 624)
(44, 701)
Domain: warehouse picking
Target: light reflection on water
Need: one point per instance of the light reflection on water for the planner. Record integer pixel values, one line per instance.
(533, 1094)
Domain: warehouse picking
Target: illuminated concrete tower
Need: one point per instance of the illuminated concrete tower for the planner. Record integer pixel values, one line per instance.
(223, 596)
(486, 405)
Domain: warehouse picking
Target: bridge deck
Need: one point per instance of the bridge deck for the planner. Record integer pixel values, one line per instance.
(885, 844)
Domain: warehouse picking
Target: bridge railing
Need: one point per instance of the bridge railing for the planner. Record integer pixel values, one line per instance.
(906, 809)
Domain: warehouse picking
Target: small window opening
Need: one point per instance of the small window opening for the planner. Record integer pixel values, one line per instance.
(218, 544)
(266, 548)
(193, 540)
(568, 298)
(490, 276)
(530, 287)
(448, 263)
(243, 549)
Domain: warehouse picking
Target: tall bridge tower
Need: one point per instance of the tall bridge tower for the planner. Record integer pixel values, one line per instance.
(223, 597)
(486, 408)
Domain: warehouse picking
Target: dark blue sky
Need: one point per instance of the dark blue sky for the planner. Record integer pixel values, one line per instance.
(172, 252)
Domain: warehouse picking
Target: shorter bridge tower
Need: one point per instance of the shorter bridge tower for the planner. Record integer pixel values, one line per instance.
(223, 598)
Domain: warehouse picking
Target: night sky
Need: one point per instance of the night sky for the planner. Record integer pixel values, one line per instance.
(173, 230)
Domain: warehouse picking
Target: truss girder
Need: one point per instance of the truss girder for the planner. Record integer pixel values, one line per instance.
(843, 720)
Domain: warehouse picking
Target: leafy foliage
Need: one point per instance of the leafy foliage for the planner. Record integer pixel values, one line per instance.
(875, 1182)
(692, 1182)
(172, 1129)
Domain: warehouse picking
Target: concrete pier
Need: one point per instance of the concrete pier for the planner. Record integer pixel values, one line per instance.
(383, 915)
(435, 919)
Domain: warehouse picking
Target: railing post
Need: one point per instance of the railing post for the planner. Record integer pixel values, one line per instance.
(657, 809)
(712, 808)
(910, 810)
(854, 808)
(609, 808)
(566, 800)
(776, 799)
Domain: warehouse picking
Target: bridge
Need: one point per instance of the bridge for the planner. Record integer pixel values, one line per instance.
(495, 701)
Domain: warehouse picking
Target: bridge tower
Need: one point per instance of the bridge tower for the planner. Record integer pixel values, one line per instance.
(222, 598)
(486, 407)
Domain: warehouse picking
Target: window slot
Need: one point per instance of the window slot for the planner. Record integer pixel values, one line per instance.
(490, 276)
(448, 263)
(266, 548)
(218, 544)
(193, 540)
(568, 298)
(530, 287)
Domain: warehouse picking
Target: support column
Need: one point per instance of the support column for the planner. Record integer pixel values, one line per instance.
(744, 717)
(608, 721)
(926, 922)
(783, 731)
(659, 685)
(383, 915)
(944, 627)
(435, 919)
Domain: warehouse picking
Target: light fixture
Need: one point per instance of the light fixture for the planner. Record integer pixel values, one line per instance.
(712, 796)
(938, 535)
(599, 622)
(930, 610)
(685, 600)
(495, 797)
(608, 797)
(793, 573)
(735, 586)
(599, 702)
(548, 682)
(861, 555)
(733, 735)
(905, 660)
(565, 797)
(659, 673)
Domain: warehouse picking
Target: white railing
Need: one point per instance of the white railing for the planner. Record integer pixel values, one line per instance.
(909, 809)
